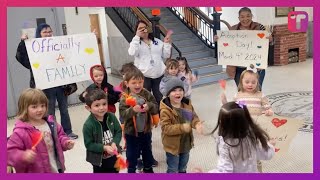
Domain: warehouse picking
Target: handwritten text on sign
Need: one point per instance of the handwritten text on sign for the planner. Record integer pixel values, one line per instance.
(282, 129)
(243, 48)
(61, 60)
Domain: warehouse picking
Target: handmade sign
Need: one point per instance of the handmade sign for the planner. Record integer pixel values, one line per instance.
(30, 32)
(61, 60)
(282, 129)
(243, 48)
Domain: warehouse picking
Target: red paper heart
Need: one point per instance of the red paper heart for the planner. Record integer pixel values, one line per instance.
(276, 150)
(225, 44)
(261, 35)
(277, 122)
(36, 137)
(222, 83)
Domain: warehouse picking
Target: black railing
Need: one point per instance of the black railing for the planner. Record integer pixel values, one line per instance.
(197, 23)
(128, 16)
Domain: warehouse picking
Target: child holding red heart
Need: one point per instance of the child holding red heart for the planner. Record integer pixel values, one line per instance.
(139, 116)
(187, 76)
(28, 153)
(241, 143)
(250, 95)
(249, 92)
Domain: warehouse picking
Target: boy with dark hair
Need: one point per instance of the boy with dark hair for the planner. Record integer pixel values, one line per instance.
(101, 132)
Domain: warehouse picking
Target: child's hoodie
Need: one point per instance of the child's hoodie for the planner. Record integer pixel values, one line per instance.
(113, 96)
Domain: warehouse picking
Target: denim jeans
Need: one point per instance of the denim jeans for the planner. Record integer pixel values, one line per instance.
(153, 84)
(134, 145)
(239, 70)
(57, 93)
(177, 163)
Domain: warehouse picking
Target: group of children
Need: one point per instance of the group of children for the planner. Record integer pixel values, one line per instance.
(241, 143)
(179, 68)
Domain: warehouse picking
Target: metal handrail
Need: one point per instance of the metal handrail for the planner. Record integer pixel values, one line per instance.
(200, 24)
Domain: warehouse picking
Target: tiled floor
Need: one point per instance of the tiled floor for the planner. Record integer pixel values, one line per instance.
(206, 100)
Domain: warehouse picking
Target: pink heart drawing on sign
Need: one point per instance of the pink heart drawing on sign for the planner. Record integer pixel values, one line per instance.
(277, 122)
(225, 44)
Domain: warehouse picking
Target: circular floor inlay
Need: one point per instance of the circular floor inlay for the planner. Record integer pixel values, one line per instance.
(297, 105)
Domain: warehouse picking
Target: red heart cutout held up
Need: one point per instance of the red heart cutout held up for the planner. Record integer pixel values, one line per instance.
(276, 150)
(261, 35)
(225, 44)
(277, 122)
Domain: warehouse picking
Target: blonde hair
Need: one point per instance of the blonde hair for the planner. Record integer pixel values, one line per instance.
(172, 63)
(29, 97)
(240, 86)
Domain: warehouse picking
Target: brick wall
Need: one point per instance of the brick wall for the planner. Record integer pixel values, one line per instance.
(285, 40)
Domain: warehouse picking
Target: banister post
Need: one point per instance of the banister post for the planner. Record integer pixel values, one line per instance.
(216, 25)
(156, 30)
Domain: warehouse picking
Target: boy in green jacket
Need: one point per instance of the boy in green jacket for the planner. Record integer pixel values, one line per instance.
(101, 132)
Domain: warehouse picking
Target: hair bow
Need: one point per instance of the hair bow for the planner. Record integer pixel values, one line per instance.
(252, 68)
(241, 104)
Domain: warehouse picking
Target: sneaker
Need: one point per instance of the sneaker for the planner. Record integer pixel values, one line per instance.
(73, 136)
(140, 164)
(155, 163)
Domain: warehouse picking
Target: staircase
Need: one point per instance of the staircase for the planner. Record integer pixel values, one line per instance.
(199, 56)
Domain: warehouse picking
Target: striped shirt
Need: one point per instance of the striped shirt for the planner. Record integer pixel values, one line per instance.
(256, 102)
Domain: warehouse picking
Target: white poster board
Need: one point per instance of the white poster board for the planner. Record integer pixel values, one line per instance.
(243, 48)
(61, 60)
(282, 129)
(30, 32)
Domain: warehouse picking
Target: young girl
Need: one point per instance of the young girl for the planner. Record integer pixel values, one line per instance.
(172, 68)
(249, 94)
(100, 81)
(185, 74)
(138, 120)
(23, 153)
(241, 142)
(177, 118)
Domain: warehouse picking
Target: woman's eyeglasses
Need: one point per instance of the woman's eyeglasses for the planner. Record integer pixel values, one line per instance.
(46, 32)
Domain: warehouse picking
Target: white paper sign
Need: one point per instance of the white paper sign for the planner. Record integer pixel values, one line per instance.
(61, 60)
(30, 32)
(243, 48)
(282, 129)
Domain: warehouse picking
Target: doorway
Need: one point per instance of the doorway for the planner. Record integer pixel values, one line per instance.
(94, 24)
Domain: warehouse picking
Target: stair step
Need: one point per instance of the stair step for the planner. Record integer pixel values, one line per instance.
(181, 36)
(190, 48)
(187, 41)
(177, 28)
(210, 79)
(209, 69)
(200, 61)
(169, 19)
